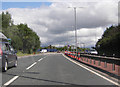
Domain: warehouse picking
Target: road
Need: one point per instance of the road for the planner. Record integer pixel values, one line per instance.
(50, 69)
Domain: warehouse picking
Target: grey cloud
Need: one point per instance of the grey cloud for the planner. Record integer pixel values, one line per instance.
(55, 24)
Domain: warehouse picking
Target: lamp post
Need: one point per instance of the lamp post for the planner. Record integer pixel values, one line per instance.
(84, 47)
(75, 26)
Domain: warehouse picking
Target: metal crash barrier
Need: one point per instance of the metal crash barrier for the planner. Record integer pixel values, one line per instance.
(109, 64)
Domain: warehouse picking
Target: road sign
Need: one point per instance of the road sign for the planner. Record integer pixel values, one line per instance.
(9, 40)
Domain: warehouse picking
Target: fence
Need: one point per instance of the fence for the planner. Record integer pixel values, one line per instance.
(109, 64)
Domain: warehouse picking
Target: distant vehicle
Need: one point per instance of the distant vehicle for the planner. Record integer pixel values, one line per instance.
(58, 51)
(93, 52)
(43, 51)
(8, 56)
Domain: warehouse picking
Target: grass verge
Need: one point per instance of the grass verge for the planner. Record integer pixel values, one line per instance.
(22, 54)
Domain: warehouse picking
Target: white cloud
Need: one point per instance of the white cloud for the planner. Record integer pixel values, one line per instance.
(83, 0)
(89, 36)
(59, 0)
(54, 23)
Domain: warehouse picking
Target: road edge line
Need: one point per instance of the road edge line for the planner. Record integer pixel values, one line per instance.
(92, 71)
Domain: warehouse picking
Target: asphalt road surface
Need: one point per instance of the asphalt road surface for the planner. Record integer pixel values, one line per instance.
(50, 69)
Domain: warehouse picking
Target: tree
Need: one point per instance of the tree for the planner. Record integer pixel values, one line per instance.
(109, 43)
(22, 37)
(29, 38)
(6, 20)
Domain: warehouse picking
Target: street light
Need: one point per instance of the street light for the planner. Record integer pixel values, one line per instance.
(68, 37)
(83, 46)
(75, 25)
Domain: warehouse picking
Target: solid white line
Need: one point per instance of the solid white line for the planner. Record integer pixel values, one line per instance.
(10, 81)
(31, 65)
(40, 59)
(93, 71)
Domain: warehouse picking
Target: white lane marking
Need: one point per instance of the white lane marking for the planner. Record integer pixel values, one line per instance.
(10, 81)
(40, 59)
(45, 57)
(31, 66)
(15, 77)
(92, 71)
(34, 63)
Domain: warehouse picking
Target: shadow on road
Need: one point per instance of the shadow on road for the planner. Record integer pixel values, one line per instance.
(65, 83)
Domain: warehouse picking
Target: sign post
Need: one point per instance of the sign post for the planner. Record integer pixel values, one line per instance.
(9, 40)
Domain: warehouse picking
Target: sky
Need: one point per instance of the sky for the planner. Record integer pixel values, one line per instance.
(7, 5)
(54, 21)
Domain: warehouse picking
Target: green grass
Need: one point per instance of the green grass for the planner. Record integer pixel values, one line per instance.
(22, 54)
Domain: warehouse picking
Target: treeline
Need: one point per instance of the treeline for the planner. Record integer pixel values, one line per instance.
(65, 48)
(109, 44)
(22, 37)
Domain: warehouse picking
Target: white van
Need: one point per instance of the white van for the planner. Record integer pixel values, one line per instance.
(43, 51)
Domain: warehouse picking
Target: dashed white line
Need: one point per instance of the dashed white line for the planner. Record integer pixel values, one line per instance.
(40, 59)
(15, 77)
(92, 71)
(10, 81)
(45, 57)
(34, 63)
(31, 66)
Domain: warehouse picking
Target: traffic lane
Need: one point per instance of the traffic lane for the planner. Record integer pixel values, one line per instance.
(57, 70)
(23, 63)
